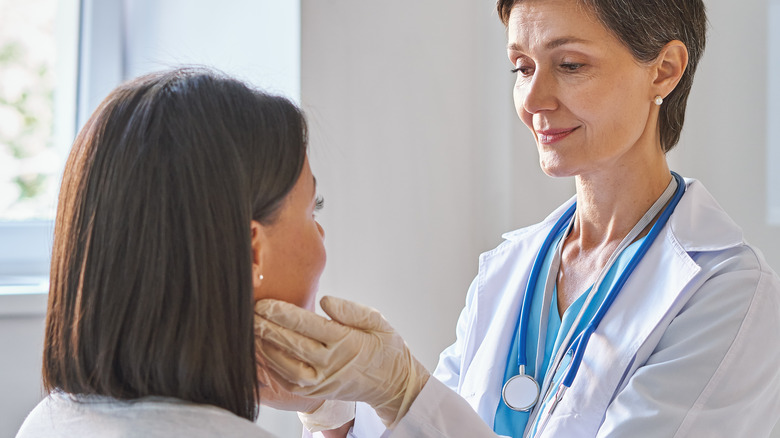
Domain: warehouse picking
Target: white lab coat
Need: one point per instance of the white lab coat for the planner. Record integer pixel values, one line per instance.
(690, 347)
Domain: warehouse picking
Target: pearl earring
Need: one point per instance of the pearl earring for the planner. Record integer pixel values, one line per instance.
(659, 100)
(260, 277)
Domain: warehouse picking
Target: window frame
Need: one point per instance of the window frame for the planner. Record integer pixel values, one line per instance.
(102, 62)
(773, 114)
(25, 245)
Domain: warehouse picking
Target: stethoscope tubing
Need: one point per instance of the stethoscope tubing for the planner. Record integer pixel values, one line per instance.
(525, 311)
(580, 346)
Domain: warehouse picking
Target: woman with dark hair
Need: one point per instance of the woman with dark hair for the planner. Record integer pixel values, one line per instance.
(636, 309)
(186, 197)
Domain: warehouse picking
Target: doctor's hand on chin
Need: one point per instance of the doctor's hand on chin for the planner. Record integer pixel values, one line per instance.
(333, 417)
(272, 394)
(355, 356)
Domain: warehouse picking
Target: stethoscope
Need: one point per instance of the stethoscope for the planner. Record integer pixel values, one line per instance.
(521, 392)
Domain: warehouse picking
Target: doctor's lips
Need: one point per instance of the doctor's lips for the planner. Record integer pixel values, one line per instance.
(549, 136)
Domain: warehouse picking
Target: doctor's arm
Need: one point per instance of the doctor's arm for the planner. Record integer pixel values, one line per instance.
(714, 371)
(358, 356)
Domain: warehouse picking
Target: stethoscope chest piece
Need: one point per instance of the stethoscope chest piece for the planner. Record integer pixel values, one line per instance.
(521, 392)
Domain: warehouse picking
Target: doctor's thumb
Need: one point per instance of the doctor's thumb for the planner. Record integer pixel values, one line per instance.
(355, 315)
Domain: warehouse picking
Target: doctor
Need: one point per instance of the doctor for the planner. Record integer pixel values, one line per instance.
(635, 309)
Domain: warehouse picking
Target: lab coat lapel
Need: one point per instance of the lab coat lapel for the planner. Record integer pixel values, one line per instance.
(502, 279)
(636, 319)
(654, 294)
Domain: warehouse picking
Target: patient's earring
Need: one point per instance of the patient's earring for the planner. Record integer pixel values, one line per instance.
(658, 100)
(260, 277)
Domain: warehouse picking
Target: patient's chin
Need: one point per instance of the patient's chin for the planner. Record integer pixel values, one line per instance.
(303, 299)
(310, 302)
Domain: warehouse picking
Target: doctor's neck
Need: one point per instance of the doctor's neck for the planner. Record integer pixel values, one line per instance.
(610, 203)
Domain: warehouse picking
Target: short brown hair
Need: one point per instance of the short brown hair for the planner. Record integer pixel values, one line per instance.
(645, 27)
(151, 284)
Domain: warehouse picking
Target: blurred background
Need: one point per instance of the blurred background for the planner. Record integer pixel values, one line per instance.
(414, 140)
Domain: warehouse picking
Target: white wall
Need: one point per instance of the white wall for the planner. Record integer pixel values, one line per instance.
(21, 340)
(21, 348)
(724, 143)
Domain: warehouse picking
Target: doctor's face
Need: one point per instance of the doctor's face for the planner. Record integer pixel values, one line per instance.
(579, 90)
(292, 250)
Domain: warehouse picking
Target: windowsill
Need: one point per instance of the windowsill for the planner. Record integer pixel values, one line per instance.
(23, 296)
(25, 250)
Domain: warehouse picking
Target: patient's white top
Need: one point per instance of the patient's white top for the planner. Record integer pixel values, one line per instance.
(63, 415)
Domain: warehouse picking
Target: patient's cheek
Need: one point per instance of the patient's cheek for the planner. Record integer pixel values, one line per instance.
(292, 268)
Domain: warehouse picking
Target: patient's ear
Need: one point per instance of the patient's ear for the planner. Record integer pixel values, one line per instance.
(259, 244)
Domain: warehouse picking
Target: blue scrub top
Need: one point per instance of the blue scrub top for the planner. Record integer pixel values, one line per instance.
(512, 423)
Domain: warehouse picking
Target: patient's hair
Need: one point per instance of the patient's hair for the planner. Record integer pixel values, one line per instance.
(151, 287)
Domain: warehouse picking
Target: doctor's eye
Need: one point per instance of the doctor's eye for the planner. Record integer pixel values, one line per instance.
(524, 66)
(319, 203)
(571, 67)
(523, 70)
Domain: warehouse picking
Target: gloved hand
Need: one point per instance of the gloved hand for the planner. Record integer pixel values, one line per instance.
(276, 396)
(316, 414)
(356, 356)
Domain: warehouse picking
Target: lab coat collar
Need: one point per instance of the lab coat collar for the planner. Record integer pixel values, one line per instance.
(668, 268)
(698, 223)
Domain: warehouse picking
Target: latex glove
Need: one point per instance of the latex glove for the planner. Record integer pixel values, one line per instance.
(315, 414)
(271, 392)
(331, 415)
(276, 396)
(356, 356)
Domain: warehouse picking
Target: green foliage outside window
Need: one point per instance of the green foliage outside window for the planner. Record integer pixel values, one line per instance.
(28, 162)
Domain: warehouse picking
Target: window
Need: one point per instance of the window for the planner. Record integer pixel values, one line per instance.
(38, 59)
(37, 70)
(257, 41)
(59, 59)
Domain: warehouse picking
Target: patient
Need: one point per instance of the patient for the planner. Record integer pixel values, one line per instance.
(186, 198)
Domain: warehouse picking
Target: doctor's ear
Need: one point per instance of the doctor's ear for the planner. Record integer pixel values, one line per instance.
(258, 245)
(669, 67)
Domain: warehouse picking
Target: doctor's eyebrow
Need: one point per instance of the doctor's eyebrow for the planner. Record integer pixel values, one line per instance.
(551, 44)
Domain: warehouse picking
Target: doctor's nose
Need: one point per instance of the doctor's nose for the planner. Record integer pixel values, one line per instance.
(536, 95)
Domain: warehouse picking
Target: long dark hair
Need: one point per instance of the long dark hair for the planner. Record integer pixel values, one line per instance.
(151, 288)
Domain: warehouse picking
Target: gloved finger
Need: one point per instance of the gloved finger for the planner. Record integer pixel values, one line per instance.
(293, 343)
(305, 322)
(264, 378)
(262, 373)
(274, 395)
(289, 372)
(355, 315)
